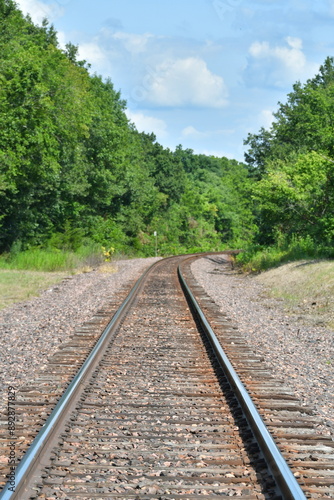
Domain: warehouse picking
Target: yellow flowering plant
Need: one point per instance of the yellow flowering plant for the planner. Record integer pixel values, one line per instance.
(108, 252)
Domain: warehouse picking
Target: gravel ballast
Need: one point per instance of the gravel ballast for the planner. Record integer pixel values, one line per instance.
(299, 353)
(31, 331)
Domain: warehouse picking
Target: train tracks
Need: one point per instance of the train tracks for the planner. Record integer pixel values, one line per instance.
(153, 414)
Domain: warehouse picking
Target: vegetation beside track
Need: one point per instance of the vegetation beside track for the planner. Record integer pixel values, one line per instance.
(75, 172)
(25, 274)
(258, 258)
(54, 259)
(32, 272)
(305, 287)
(17, 286)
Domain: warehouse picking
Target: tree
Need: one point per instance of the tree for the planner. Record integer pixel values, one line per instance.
(297, 198)
(258, 152)
(304, 123)
(293, 163)
(44, 114)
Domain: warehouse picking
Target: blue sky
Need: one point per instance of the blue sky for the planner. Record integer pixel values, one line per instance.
(201, 73)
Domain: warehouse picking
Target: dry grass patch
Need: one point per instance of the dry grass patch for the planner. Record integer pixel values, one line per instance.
(305, 287)
(17, 286)
(107, 268)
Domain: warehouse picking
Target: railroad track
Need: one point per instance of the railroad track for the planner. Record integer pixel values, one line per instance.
(155, 416)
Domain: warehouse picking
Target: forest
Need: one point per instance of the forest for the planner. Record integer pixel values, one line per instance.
(74, 171)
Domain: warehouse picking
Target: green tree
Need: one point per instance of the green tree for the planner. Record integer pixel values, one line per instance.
(44, 116)
(293, 163)
(304, 123)
(297, 198)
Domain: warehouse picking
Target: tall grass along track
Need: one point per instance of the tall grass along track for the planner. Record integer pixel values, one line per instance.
(155, 416)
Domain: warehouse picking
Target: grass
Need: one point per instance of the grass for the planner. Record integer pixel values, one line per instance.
(306, 287)
(41, 260)
(16, 286)
(298, 273)
(257, 259)
(51, 260)
(25, 274)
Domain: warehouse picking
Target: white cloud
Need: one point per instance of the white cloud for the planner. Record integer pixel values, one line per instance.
(277, 65)
(182, 82)
(39, 10)
(291, 56)
(133, 43)
(93, 54)
(191, 131)
(148, 124)
(62, 39)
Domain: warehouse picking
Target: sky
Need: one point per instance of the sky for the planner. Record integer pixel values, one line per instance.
(201, 73)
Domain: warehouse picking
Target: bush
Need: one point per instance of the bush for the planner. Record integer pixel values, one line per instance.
(259, 258)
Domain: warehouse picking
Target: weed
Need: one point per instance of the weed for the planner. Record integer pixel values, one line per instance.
(306, 287)
(52, 259)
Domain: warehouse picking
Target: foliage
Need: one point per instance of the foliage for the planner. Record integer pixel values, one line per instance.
(303, 124)
(44, 116)
(293, 166)
(258, 258)
(75, 173)
(73, 170)
(295, 197)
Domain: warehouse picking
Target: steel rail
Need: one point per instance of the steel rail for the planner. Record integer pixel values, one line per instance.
(23, 472)
(285, 480)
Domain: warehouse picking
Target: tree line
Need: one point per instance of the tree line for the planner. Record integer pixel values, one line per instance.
(74, 170)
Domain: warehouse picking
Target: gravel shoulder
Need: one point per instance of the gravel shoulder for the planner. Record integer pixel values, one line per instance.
(32, 330)
(294, 349)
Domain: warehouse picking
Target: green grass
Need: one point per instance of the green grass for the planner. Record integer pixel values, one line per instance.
(40, 260)
(257, 259)
(52, 260)
(16, 286)
(305, 287)
(25, 274)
